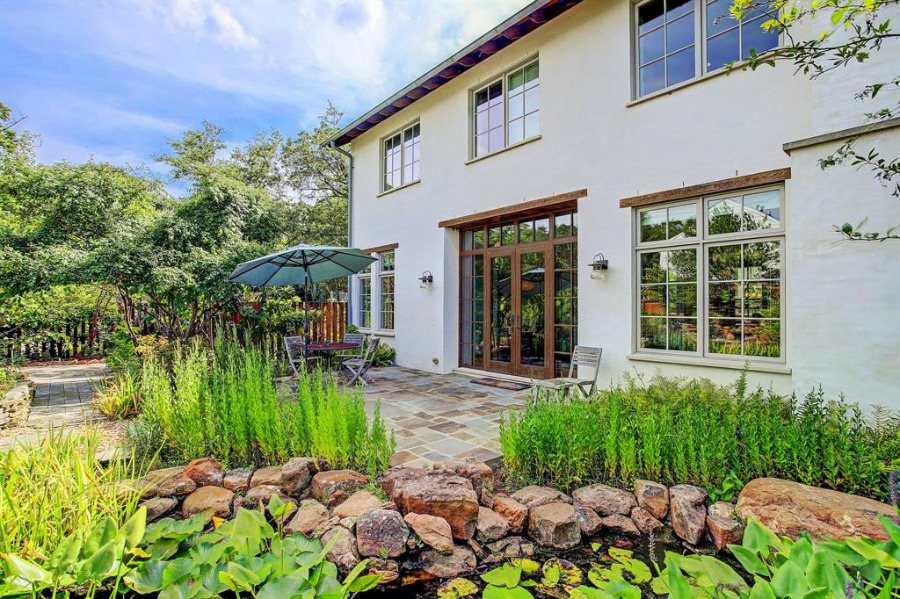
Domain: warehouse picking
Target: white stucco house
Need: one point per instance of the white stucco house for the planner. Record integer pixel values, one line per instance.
(493, 186)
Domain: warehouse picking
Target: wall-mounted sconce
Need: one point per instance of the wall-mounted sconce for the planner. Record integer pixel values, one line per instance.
(426, 279)
(599, 267)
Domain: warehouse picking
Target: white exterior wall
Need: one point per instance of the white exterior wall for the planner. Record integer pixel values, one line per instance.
(593, 137)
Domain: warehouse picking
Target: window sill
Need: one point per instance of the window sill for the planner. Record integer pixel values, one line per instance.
(404, 186)
(507, 148)
(384, 333)
(711, 363)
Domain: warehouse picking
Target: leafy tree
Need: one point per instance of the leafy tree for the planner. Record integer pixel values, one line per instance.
(854, 30)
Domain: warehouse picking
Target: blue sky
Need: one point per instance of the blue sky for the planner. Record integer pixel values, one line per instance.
(113, 80)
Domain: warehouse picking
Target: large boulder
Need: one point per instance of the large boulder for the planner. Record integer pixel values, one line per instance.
(554, 525)
(605, 500)
(335, 486)
(296, 475)
(381, 533)
(358, 504)
(491, 526)
(205, 472)
(534, 496)
(688, 505)
(512, 511)
(653, 497)
(310, 515)
(215, 499)
(434, 531)
(789, 508)
(442, 494)
(479, 474)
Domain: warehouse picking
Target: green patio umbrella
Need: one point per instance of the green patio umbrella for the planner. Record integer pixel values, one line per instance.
(301, 265)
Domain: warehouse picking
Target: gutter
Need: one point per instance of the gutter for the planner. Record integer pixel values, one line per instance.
(349, 156)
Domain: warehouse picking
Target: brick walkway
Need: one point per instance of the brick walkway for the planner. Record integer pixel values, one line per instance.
(436, 417)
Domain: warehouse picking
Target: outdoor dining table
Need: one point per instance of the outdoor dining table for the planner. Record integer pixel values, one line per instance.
(330, 348)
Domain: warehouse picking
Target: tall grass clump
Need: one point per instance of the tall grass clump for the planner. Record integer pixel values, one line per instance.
(693, 431)
(57, 488)
(225, 403)
(120, 397)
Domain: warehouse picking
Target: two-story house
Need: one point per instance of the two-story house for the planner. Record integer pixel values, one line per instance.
(590, 173)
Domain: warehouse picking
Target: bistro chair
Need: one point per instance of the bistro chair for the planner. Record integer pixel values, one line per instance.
(583, 357)
(359, 366)
(357, 339)
(294, 347)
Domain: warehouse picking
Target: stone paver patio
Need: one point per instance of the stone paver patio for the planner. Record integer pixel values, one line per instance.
(436, 417)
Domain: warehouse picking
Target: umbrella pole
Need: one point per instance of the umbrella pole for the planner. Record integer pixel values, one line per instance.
(306, 314)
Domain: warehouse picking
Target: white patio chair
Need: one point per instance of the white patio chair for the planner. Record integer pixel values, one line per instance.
(583, 358)
(358, 367)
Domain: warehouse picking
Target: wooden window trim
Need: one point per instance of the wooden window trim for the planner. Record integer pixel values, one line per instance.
(715, 187)
(553, 203)
(381, 248)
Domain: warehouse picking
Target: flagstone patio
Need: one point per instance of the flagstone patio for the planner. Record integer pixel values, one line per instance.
(440, 416)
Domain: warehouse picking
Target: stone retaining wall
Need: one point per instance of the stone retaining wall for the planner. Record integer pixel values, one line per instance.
(16, 405)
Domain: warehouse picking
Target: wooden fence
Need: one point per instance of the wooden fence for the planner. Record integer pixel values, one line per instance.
(74, 340)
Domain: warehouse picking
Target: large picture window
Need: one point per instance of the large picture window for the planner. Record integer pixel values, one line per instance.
(386, 284)
(710, 276)
(507, 110)
(400, 158)
(677, 40)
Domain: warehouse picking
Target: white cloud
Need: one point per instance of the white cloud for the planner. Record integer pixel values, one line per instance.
(205, 19)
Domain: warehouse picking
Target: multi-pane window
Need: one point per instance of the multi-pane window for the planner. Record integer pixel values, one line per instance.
(364, 305)
(386, 284)
(471, 305)
(673, 36)
(507, 110)
(711, 285)
(401, 158)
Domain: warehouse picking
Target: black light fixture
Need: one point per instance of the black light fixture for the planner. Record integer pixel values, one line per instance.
(426, 279)
(599, 267)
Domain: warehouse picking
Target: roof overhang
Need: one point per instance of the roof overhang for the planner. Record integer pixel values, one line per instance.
(519, 25)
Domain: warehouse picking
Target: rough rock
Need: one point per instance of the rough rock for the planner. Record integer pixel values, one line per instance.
(159, 507)
(349, 523)
(310, 515)
(588, 520)
(270, 477)
(238, 480)
(724, 531)
(554, 525)
(382, 533)
(479, 474)
(645, 521)
(688, 505)
(333, 487)
(789, 507)
(205, 472)
(216, 499)
(434, 532)
(262, 495)
(487, 498)
(343, 553)
(442, 494)
(534, 496)
(605, 500)
(620, 524)
(358, 504)
(490, 525)
(434, 563)
(398, 476)
(296, 475)
(512, 547)
(171, 482)
(653, 497)
(514, 512)
(722, 509)
(325, 526)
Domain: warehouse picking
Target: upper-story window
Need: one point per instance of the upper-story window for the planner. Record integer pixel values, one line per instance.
(507, 110)
(677, 40)
(400, 158)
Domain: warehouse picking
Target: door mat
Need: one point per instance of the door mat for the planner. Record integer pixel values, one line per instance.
(508, 385)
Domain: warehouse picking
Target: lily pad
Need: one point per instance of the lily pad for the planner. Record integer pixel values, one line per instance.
(457, 589)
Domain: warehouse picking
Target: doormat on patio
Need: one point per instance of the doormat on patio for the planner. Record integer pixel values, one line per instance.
(508, 385)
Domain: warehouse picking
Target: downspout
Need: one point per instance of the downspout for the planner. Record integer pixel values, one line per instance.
(349, 156)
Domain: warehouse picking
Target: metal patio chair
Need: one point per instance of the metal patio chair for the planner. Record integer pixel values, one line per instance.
(294, 348)
(358, 367)
(583, 357)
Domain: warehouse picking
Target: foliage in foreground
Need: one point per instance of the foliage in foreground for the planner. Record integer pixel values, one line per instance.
(677, 431)
(57, 489)
(226, 405)
(176, 558)
(8, 378)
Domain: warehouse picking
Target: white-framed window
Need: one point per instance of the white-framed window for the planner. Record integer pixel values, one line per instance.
(386, 291)
(400, 157)
(677, 40)
(710, 276)
(506, 111)
(364, 298)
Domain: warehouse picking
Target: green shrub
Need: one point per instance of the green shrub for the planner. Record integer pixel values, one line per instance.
(57, 489)
(679, 431)
(120, 397)
(226, 404)
(9, 376)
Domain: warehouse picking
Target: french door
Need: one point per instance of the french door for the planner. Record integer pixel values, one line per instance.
(518, 304)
